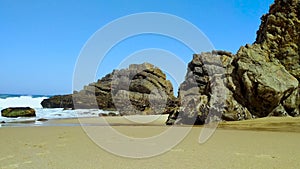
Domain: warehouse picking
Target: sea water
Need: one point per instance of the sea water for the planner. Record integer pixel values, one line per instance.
(34, 101)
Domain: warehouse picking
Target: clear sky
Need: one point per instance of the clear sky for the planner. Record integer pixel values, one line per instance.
(40, 40)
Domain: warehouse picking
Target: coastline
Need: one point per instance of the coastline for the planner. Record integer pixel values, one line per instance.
(273, 124)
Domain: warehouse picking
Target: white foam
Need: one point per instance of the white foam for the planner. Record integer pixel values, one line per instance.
(22, 101)
(52, 113)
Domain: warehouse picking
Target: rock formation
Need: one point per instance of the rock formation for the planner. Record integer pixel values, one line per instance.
(260, 80)
(279, 35)
(18, 112)
(140, 89)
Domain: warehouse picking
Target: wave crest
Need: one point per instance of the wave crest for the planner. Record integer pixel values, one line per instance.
(21, 101)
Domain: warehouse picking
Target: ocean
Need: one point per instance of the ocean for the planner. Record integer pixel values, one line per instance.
(33, 101)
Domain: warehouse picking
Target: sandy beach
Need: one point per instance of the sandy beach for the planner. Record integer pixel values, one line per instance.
(261, 143)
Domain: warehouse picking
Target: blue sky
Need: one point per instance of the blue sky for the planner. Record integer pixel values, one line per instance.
(41, 40)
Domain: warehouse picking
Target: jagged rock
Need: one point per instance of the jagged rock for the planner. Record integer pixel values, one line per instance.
(236, 87)
(140, 89)
(18, 112)
(262, 84)
(279, 34)
(204, 95)
(260, 80)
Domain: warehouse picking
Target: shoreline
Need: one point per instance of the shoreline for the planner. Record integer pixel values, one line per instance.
(272, 124)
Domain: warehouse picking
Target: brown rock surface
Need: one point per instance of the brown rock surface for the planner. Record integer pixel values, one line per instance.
(260, 80)
(139, 89)
(18, 112)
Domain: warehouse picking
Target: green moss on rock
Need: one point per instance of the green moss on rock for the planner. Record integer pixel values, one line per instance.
(18, 112)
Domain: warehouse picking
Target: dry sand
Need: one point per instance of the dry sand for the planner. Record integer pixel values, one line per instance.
(261, 144)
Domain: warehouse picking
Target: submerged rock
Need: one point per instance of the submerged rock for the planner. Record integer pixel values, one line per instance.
(18, 112)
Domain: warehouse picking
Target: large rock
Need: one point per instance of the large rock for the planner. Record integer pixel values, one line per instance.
(59, 101)
(223, 86)
(279, 34)
(205, 95)
(260, 80)
(139, 89)
(18, 112)
(262, 84)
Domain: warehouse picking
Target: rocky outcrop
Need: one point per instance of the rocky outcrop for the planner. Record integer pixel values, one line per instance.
(206, 92)
(260, 80)
(279, 34)
(140, 89)
(262, 85)
(18, 112)
(59, 101)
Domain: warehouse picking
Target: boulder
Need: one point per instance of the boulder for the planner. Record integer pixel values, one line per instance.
(58, 101)
(205, 94)
(139, 89)
(279, 35)
(18, 112)
(262, 84)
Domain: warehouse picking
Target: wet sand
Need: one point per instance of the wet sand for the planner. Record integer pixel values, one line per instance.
(261, 143)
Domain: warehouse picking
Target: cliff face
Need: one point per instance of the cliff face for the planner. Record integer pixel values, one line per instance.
(260, 80)
(139, 89)
(279, 34)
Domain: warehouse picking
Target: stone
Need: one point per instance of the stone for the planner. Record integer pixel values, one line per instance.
(279, 111)
(112, 114)
(59, 101)
(139, 89)
(42, 119)
(292, 103)
(102, 114)
(262, 83)
(279, 33)
(207, 100)
(261, 80)
(18, 112)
